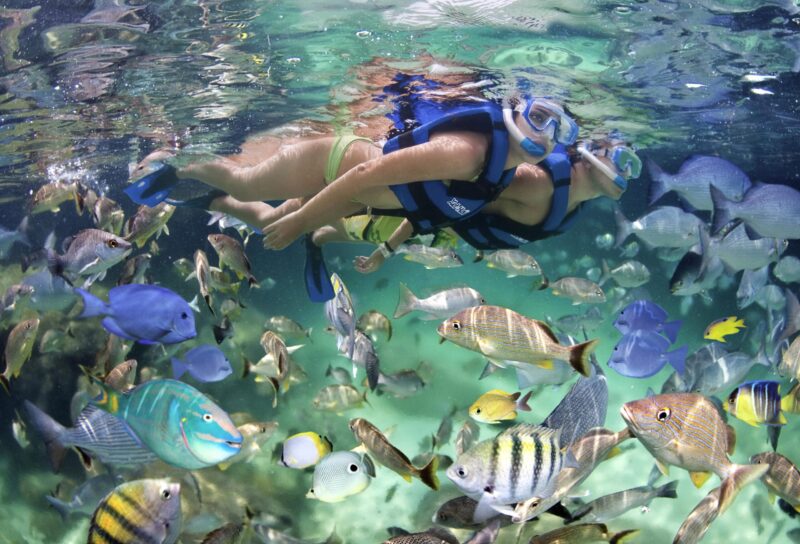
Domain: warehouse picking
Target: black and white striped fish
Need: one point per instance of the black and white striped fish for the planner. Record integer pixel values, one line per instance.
(96, 432)
(519, 463)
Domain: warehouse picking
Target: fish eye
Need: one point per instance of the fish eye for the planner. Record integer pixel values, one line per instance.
(208, 418)
(456, 325)
(461, 472)
(663, 415)
(112, 243)
(165, 494)
(352, 468)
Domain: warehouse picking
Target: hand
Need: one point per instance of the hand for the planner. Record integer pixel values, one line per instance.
(283, 231)
(367, 265)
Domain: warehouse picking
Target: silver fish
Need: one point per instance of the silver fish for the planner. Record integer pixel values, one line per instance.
(440, 305)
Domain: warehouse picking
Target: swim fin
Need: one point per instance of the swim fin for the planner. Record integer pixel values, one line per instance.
(318, 280)
(152, 189)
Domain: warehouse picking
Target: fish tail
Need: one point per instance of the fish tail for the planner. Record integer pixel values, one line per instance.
(623, 536)
(722, 209)
(668, 490)
(51, 431)
(92, 306)
(738, 477)
(406, 302)
(428, 473)
(580, 357)
(659, 182)
(624, 227)
(60, 506)
(522, 404)
(671, 329)
(178, 368)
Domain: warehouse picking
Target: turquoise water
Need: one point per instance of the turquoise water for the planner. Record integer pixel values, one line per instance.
(88, 88)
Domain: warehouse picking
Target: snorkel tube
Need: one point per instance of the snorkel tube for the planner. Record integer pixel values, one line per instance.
(529, 146)
(618, 180)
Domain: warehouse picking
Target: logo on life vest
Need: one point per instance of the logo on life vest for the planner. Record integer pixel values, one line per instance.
(457, 206)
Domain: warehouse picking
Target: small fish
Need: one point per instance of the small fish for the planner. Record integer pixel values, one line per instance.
(666, 226)
(304, 450)
(686, 430)
(440, 305)
(787, 269)
(148, 222)
(628, 274)
(781, 479)
(135, 269)
(434, 535)
(614, 505)
(519, 463)
(501, 334)
(287, 327)
(231, 254)
(756, 402)
(580, 534)
(513, 262)
(90, 253)
(373, 322)
(467, 436)
(202, 275)
(771, 210)
(254, 436)
(10, 237)
(122, 376)
(49, 197)
(430, 257)
(147, 314)
(341, 474)
(646, 315)
(340, 375)
(338, 398)
(18, 349)
(496, 406)
(578, 290)
(85, 497)
(138, 511)
(694, 179)
(206, 364)
(180, 424)
(721, 328)
(643, 353)
(389, 456)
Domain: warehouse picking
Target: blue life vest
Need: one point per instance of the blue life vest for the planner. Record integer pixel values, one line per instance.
(489, 231)
(433, 204)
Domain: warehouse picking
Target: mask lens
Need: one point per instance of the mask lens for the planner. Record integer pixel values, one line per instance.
(627, 162)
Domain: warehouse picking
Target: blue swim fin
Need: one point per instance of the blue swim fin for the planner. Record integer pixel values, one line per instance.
(318, 280)
(152, 189)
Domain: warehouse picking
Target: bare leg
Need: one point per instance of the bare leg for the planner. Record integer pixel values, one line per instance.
(296, 170)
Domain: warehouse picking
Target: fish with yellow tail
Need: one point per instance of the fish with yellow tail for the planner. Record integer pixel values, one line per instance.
(137, 512)
(504, 335)
(389, 456)
(721, 328)
(496, 406)
(686, 430)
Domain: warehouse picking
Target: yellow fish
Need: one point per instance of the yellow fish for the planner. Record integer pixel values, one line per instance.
(721, 328)
(496, 406)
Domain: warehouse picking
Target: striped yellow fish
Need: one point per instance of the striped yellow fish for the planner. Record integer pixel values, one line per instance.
(503, 335)
(138, 512)
(686, 430)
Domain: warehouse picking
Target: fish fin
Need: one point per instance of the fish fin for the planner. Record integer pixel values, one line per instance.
(738, 477)
(663, 467)
(580, 357)
(428, 473)
(546, 364)
(622, 536)
(406, 303)
(699, 478)
(51, 431)
(522, 404)
(731, 432)
(671, 329)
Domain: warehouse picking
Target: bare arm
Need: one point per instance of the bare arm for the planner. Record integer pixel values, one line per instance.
(372, 263)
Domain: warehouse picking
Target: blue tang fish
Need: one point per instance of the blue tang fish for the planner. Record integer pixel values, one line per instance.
(649, 316)
(176, 421)
(642, 353)
(147, 314)
(204, 363)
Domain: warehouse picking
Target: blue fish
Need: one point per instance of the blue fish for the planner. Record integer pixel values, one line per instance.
(147, 314)
(649, 316)
(204, 363)
(642, 353)
(176, 421)
(96, 433)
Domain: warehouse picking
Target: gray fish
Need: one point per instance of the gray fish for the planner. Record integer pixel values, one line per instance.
(231, 254)
(614, 505)
(85, 497)
(440, 305)
(694, 179)
(787, 270)
(135, 269)
(666, 226)
(10, 237)
(771, 210)
(578, 290)
(90, 253)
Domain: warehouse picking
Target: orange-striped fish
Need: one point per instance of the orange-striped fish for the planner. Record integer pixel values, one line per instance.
(686, 430)
(503, 335)
(138, 512)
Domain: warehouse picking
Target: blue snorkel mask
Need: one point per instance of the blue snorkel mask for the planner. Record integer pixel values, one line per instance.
(627, 164)
(542, 116)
